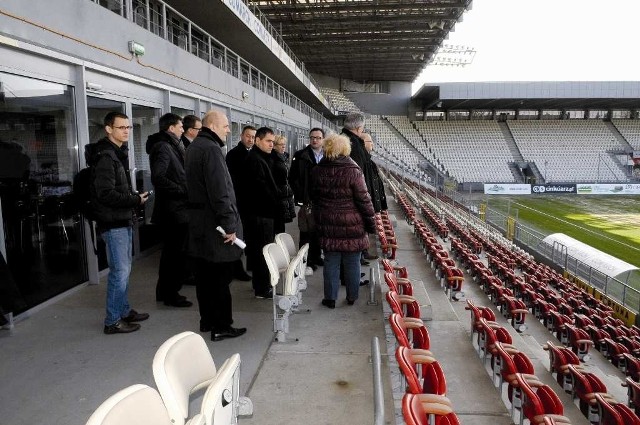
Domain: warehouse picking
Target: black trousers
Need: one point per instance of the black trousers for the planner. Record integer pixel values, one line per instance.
(212, 292)
(173, 261)
(258, 234)
(313, 240)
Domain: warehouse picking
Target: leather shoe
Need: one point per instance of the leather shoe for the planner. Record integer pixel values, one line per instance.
(243, 277)
(179, 297)
(265, 295)
(351, 302)
(121, 327)
(230, 332)
(205, 328)
(364, 282)
(319, 262)
(364, 262)
(178, 303)
(134, 316)
(329, 303)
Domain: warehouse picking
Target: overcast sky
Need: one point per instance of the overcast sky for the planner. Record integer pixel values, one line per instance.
(546, 40)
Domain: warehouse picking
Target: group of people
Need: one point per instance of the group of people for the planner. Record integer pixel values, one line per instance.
(204, 201)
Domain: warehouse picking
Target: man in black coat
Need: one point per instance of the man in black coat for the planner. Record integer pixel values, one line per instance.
(166, 157)
(260, 195)
(235, 162)
(354, 130)
(302, 163)
(212, 205)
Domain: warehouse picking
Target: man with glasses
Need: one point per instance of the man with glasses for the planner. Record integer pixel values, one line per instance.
(302, 163)
(192, 126)
(166, 158)
(113, 202)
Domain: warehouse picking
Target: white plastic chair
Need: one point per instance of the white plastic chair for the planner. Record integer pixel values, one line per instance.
(182, 366)
(135, 405)
(283, 304)
(220, 405)
(287, 244)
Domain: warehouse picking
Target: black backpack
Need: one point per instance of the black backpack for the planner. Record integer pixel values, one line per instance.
(82, 183)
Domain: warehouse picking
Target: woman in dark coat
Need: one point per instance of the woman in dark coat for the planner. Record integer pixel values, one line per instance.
(280, 170)
(343, 214)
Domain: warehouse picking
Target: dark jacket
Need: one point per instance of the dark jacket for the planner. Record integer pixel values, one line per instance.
(186, 142)
(378, 182)
(361, 157)
(111, 196)
(169, 179)
(300, 175)
(212, 202)
(280, 171)
(342, 206)
(235, 163)
(258, 189)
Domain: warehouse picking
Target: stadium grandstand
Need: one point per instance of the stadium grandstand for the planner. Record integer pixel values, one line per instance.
(507, 284)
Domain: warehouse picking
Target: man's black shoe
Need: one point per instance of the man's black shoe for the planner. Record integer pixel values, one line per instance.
(179, 297)
(318, 262)
(121, 327)
(364, 262)
(134, 316)
(313, 266)
(178, 303)
(329, 303)
(265, 295)
(364, 282)
(351, 302)
(205, 328)
(230, 332)
(242, 276)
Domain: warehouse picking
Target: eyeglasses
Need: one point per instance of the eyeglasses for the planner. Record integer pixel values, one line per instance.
(123, 127)
(196, 129)
(315, 138)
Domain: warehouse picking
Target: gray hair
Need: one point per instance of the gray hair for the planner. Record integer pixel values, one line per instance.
(354, 120)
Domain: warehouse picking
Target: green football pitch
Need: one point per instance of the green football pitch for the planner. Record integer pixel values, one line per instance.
(608, 223)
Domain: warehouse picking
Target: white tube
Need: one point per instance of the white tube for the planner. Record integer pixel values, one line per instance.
(237, 242)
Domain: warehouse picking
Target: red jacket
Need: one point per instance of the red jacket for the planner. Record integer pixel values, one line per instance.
(342, 207)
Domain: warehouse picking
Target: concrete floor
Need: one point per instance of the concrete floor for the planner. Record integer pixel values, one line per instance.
(57, 366)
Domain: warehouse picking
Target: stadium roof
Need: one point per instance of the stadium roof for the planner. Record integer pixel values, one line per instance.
(364, 40)
(533, 95)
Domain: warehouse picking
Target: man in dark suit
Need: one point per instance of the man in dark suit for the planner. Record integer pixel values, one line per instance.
(212, 204)
(235, 162)
(166, 157)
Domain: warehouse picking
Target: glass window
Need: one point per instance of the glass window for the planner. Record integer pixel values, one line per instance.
(181, 111)
(38, 160)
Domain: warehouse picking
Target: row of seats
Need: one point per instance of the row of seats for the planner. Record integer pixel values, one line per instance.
(182, 367)
(517, 258)
(528, 397)
(425, 401)
(565, 362)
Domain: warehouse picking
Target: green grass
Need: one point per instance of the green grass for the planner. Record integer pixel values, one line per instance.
(608, 223)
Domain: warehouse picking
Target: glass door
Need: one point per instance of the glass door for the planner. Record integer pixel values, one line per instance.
(42, 231)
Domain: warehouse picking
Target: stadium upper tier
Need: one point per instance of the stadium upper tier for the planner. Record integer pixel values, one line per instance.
(486, 150)
(469, 150)
(569, 150)
(630, 130)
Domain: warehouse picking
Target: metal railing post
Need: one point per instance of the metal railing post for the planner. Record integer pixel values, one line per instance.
(378, 396)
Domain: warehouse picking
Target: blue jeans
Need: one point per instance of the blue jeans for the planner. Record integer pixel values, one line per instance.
(118, 243)
(331, 273)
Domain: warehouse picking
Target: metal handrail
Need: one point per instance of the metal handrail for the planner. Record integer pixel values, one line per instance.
(378, 396)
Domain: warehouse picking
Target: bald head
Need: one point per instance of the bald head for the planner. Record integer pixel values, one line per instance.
(368, 141)
(217, 122)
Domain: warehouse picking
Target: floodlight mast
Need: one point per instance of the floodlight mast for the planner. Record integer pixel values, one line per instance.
(453, 55)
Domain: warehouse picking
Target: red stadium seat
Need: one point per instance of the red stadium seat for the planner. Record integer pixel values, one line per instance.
(421, 409)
